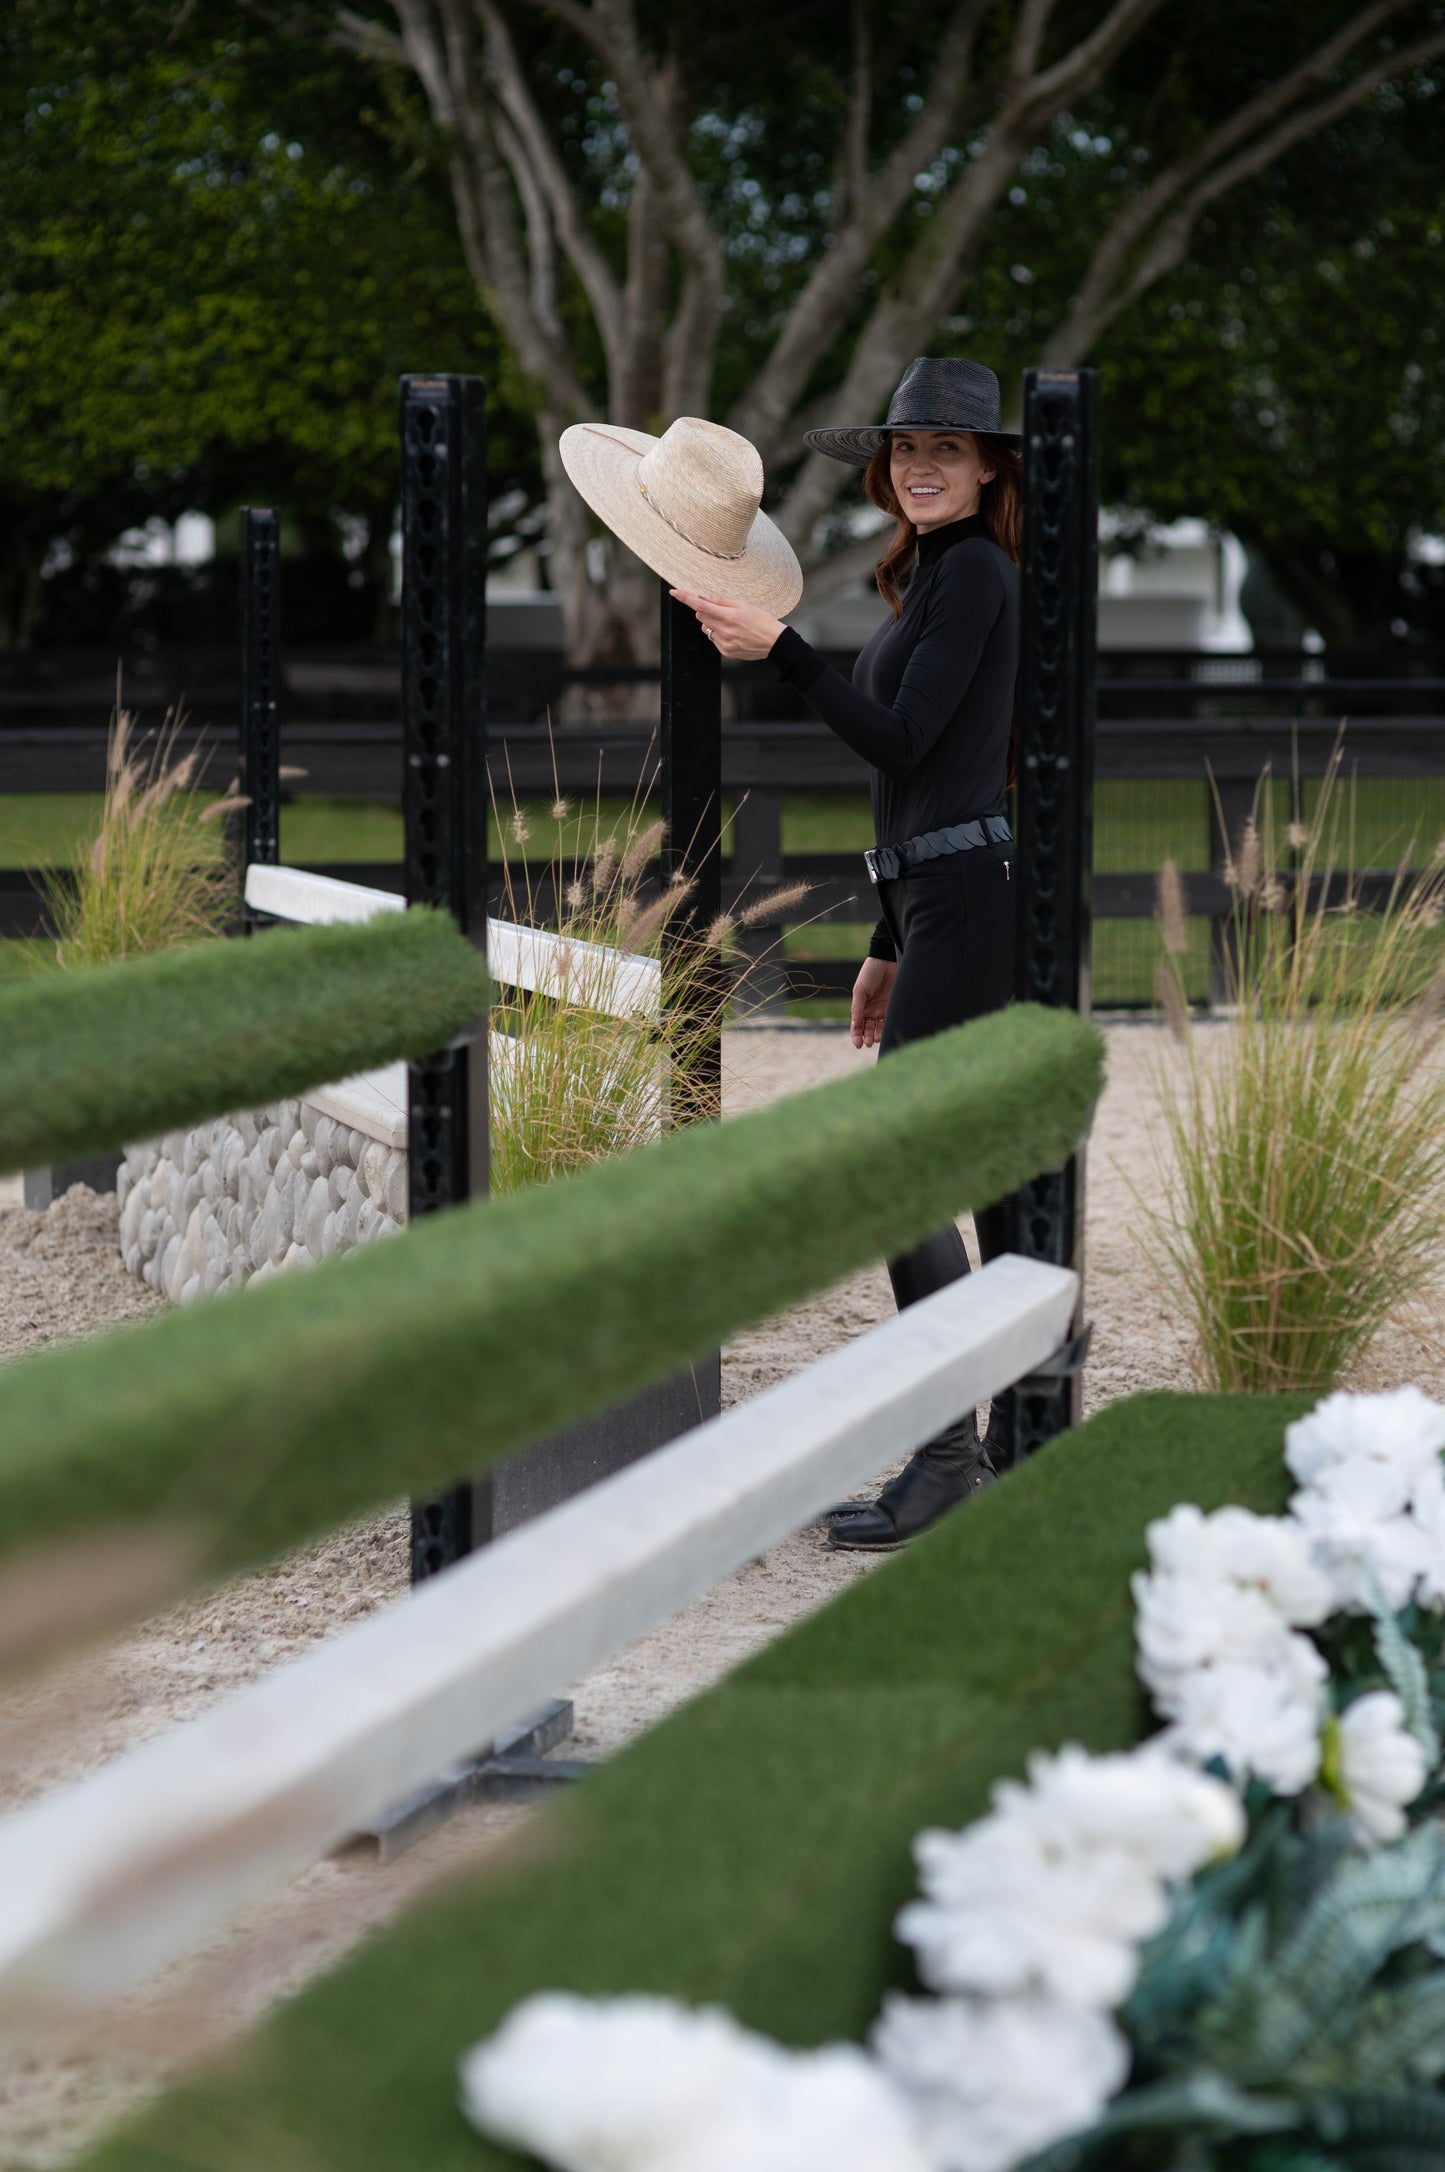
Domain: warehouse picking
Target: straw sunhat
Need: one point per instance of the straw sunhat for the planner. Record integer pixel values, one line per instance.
(687, 504)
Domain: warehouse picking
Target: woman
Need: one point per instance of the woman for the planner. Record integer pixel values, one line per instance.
(930, 708)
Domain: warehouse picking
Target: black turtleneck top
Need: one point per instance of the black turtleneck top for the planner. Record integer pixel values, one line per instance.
(930, 705)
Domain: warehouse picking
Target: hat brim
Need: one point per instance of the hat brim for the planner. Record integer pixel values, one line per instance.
(857, 447)
(602, 458)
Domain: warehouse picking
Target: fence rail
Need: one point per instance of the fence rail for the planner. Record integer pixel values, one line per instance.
(1166, 721)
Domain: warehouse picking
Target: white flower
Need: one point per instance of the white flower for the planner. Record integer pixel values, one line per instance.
(1263, 1725)
(639, 2084)
(1365, 1555)
(1144, 1804)
(1055, 1889)
(1183, 1623)
(1263, 1554)
(1381, 1765)
(1429, 1517)
(993, 2081)
(1393, 1437)
(1003, 1912)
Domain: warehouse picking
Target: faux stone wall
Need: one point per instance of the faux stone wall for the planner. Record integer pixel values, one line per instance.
(240, 1199)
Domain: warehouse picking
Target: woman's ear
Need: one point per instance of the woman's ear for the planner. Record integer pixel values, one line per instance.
(986, 475)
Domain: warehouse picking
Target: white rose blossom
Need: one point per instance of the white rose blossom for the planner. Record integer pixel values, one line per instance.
(1262, 1725)
(1183, 1623)
(994, 2080)
(1141, 1803)
(1372, 1496)
(1399, 1435)
(1055, 1889)
(640, 2084)
(1218, 1645)
(1367, 1558)
(1260, 1554)
(1382, 1766)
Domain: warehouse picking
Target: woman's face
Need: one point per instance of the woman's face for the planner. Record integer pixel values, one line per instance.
(937, 475)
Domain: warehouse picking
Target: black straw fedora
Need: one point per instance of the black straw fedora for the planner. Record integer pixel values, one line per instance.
(932, 395)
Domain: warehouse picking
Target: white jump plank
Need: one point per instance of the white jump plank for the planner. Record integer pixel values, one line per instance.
(591, 975)
(289, 893)
(106, 1879)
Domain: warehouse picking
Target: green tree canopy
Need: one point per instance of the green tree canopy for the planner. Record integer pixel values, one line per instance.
(220, 248)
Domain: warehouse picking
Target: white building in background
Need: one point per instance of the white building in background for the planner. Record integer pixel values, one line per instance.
(1181, 591)
(187, 541)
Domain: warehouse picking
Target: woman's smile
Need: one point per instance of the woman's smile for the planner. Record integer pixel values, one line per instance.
(937, 475)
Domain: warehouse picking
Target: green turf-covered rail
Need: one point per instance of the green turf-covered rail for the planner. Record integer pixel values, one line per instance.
(754, 1849)
(91, 1061)
(270, 1415)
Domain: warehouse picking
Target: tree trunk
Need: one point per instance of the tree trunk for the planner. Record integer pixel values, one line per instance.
(19, 587)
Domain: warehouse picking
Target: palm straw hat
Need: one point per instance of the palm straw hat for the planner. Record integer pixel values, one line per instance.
(932, 395)
(688, 504)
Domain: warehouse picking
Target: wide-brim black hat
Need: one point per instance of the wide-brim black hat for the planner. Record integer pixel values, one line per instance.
(932, 395)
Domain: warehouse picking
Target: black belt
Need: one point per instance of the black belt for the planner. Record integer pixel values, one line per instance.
(885, 863)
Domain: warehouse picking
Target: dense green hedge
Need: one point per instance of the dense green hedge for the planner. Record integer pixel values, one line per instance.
(271, 1415)
(755, 1848)
(90, 1061)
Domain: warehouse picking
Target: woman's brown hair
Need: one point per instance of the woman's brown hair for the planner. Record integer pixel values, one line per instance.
(999, 502)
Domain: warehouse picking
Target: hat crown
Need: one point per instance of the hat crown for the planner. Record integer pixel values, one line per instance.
(706, 482)
(946, 394)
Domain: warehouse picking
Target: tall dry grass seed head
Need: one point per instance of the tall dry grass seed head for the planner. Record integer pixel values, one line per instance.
(1305, 1174)
(604, 1058)
(160, 870)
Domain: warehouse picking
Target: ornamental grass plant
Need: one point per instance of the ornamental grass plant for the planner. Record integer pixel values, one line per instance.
(596, 1065)
(1305, 1194)
(160, 871)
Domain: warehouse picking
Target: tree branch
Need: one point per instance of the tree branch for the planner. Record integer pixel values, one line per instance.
(850, 562)
(371, 41)
(636, 393)
(1028, 39)
(551, 178)
(1081, 69)
(851, 188)
(443, 52)
(812, 322)
(648, 102)
(1110, 285)
(541, 252)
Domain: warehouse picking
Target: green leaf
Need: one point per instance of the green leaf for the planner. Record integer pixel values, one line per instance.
(1406, 1673)
(1396, 2131)
(1400, 2034)
(1205, 2100)
(1367, 1910)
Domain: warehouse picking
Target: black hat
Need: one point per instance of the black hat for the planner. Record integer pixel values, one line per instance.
(943, 395)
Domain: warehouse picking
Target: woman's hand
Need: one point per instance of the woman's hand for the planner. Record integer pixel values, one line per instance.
(871, 991)
(743, 632)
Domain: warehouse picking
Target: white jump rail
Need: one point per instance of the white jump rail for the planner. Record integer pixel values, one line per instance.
(107, 1879)
(593, 975)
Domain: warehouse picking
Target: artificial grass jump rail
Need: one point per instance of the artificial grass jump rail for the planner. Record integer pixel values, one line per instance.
(754, 1849)
(94, 1060)
(266, 1417)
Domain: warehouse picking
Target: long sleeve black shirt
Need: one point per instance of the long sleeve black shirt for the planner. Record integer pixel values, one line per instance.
(930, 704)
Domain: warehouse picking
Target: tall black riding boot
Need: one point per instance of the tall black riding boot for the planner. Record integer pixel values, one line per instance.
(942, 1473)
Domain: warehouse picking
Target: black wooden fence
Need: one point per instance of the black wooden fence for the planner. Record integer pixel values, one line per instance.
(1167, 717)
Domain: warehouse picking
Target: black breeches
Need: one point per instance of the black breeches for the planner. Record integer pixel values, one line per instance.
(953, 923)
